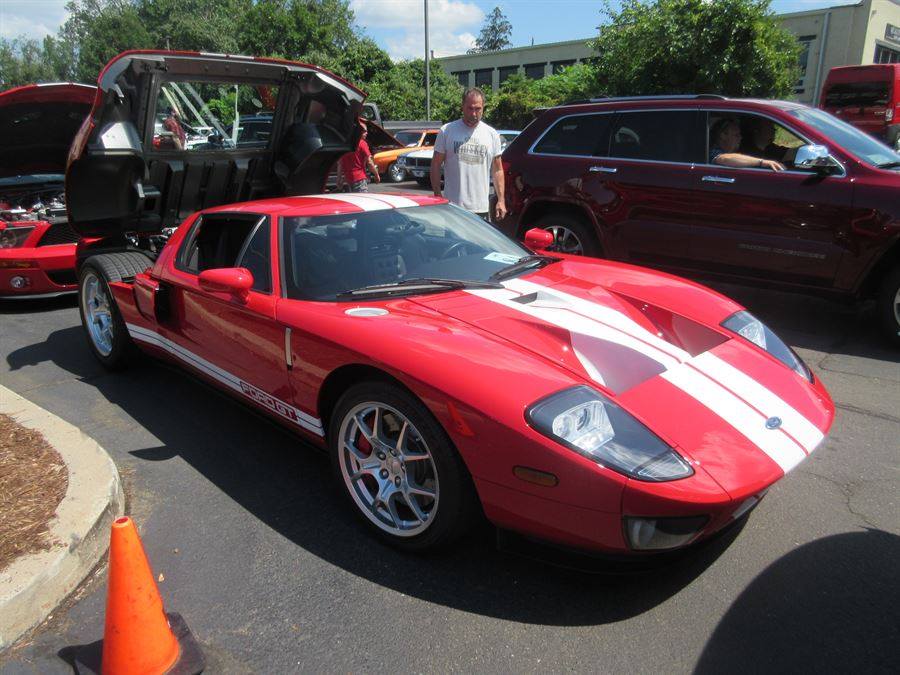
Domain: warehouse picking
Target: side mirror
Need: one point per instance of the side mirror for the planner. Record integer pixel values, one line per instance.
(815, 158)
(234, 280)
(538, 240)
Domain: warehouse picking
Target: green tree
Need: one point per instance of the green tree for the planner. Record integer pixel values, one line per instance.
(730, 47)
(515, 103)
(293, 29)
(400, 92)
(495, 33)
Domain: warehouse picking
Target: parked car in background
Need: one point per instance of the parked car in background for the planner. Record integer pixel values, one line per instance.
(410, 140)
(418, 164)
(37, 245)
(868, 97)
(631, 180)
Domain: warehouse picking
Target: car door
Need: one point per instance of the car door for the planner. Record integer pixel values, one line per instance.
(648, 168)
(235, 341)
(789, 226)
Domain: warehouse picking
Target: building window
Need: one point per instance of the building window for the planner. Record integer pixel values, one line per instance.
(559, 65)
(462, 76)
(805, 42)
(886, 55)
(534, 71)
(483, 77)
(506, 72)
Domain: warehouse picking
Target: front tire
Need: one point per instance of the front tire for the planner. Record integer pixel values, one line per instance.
(399, 468)
(889, 305)
(396, 174)
(570, 235)
(103, 325)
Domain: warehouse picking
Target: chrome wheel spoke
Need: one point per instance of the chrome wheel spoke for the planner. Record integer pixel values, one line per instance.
(414, 506)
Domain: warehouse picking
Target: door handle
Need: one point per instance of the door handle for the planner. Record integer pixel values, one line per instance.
(603, 169)
(716, 179)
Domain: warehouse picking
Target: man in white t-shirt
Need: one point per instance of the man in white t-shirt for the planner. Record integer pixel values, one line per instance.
(469, 151)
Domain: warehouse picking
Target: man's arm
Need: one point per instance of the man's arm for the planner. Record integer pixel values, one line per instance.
(497, 169)
(374, 168)
(437, 161)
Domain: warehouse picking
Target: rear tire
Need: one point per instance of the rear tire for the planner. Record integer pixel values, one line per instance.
(399, 469)
(103, 325)
(889, 305)
(570, 235)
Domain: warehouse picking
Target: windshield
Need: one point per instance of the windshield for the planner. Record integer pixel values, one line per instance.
(408, 138)
(326, 256)
(848, 137)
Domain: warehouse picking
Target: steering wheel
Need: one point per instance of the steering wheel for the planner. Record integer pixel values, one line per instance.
(455, 250)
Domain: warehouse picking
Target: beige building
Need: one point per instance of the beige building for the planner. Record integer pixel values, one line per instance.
(853, 34)
(846, 35)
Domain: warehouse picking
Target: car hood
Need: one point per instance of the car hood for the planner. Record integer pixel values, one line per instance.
(37, 125)
(422, 154)
(379, 139)
(654, 344)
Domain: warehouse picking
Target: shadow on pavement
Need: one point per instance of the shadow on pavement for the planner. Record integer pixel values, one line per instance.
(26, 306)
(288, 485)
(829, 606)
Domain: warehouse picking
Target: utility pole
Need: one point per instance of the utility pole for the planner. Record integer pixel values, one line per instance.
(427, 69)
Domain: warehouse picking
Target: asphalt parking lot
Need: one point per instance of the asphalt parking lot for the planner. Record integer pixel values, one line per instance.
(258, 552)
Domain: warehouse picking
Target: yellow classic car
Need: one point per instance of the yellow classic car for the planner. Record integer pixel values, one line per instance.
(412, 140)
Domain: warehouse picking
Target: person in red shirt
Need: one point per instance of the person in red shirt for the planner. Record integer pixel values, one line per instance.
(352, 167)
(177, 136)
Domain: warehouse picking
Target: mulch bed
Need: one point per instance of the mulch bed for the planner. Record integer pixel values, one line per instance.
(33, 481)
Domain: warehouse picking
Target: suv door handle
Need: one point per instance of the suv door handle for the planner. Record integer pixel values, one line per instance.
(603, 169)
(716, 179)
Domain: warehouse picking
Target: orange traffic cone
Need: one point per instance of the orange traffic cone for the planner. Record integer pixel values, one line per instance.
(139, 637)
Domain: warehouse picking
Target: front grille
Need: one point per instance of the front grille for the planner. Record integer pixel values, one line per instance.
(60, 233)
(419, 162)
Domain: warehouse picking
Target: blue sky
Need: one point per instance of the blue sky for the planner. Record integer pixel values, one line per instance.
(397, 25)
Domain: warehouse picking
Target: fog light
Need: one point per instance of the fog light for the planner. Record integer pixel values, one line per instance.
(647, 534)
(19, 282)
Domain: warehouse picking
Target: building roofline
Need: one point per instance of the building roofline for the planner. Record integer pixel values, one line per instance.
(518, 49)
(820, 10)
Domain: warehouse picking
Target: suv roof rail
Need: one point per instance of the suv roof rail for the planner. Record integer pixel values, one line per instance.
(654, 97)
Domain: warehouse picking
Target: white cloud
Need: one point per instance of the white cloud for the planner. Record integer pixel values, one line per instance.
(31, 18)
(401, 25)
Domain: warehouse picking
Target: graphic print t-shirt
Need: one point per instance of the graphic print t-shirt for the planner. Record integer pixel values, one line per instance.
(467, 166)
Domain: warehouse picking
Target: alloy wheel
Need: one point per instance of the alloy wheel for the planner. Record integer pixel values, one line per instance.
(564, 240)
(98, 313)
(388, 468)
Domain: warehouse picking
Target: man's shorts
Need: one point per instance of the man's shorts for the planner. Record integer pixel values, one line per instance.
(360, 186)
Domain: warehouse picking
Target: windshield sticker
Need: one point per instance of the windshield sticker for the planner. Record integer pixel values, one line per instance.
(504, 258)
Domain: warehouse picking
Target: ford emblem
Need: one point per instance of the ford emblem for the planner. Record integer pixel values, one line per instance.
(773, 423)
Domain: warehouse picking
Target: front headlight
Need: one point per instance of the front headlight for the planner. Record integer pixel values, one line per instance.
(11, 237)
(592, 425)
(750, 328)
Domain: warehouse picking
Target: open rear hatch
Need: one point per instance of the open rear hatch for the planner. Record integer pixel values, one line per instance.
(171, 134)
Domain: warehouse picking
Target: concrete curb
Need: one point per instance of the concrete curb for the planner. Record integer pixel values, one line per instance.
(34, 585)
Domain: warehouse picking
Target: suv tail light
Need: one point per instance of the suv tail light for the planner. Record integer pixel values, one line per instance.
(888, 114)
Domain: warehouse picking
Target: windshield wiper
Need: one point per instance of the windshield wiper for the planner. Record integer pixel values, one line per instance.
(416, 285)
(533, 261)
(888, 165)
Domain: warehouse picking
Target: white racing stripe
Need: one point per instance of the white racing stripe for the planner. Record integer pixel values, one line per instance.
(231, 381)
(358, 200)
(767, 402)
(750, 423)
(600, 312)
(574, 322)
(397, 201)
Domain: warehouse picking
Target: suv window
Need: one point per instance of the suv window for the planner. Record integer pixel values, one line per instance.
(656, 135)
(760, 137)
(229, 241)
(581, 135)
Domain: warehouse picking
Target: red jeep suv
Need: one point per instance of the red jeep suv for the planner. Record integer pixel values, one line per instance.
(640, 180)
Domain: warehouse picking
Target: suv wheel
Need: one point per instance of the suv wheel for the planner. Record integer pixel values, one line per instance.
(570, 235)
(889, 304)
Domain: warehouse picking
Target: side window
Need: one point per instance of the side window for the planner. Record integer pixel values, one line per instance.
(255, 257)
(429, 140)
(580, 135)
(756, 136)
(656, 135)
(229, 241)
(196, 116)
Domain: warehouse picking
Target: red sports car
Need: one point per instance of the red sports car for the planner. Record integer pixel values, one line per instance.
(446, 368)
(37, 246)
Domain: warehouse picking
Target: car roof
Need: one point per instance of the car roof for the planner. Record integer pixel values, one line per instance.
(329, 204)
(675, 101)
